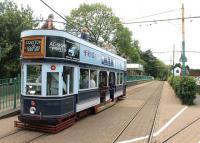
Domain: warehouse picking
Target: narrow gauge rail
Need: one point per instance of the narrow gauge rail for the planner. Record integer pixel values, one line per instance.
(8, 136)
(62, 76)
(181, 130)
(155, 119)
(134, 115)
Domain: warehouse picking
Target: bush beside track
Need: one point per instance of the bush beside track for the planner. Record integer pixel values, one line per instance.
(184, 88)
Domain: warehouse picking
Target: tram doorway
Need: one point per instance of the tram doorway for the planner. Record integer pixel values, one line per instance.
(68, 80)
(102, 85)
(59, 82)
(112, 85)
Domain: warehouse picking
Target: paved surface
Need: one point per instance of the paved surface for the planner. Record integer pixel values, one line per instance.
(105, 126)
(170, 105)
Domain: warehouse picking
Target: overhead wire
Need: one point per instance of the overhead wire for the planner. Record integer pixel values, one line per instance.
(66, 23)
(161, 20)
(165, 52)
(132, 22)
(164, 12)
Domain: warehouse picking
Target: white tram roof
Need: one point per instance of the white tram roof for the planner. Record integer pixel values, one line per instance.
(46, 32)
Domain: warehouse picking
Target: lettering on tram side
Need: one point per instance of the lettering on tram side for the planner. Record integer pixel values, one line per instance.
(32, 45)
(61, 48)
(89, 54)
(107, 61)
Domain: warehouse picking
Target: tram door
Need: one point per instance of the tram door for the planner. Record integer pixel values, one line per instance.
(59, 80)
(68, 80)
(112, 85)
(53, 75)
(102, 85)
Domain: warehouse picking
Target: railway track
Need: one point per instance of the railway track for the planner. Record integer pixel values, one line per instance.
(9, 137)
(10, 134)
(156, 92)
(181, 130)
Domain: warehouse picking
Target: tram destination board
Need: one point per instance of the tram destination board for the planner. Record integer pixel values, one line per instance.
(33, 47)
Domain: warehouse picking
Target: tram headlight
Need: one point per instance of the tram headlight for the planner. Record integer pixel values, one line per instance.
(32, 110)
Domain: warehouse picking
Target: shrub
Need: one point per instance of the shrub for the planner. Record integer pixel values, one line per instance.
(176, 85)
(188, 90)
(185, 89)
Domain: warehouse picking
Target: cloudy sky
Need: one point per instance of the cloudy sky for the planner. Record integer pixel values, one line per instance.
(157, 36)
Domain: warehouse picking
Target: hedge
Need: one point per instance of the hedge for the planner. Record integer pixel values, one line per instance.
(184, 88)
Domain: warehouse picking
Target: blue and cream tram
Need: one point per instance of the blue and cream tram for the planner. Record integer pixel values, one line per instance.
(62, 75)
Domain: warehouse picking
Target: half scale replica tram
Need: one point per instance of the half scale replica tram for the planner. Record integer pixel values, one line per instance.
(62, 76)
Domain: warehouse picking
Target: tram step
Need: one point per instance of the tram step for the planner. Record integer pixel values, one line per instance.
(101, 107)
(47, 128)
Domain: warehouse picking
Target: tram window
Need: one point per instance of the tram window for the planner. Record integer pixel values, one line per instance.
(93, 78)
(118, 78)
(84, 79)
(102, 78)
(33, 84)
(68, 80)
(121, 78)
(112, 78)
(52, 83)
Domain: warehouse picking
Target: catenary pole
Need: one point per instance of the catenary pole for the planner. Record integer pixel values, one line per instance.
(183, 58)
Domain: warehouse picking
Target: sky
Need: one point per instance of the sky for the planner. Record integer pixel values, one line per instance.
(156, 36)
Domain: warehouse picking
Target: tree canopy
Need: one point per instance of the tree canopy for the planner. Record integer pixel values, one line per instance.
(154, 66)
(12, 22)
(98, 18)
(103, 26)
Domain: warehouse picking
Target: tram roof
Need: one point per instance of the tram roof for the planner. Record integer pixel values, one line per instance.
(60, 33)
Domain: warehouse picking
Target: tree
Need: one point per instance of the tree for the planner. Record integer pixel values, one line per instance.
(12, 22)
(154, 66)
(103, 26)
(126, 46)
(98, 18)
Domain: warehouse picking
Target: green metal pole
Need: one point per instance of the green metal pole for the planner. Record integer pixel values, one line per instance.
(183, 43)
(15, 86)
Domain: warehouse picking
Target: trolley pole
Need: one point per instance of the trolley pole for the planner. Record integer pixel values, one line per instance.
(183, 58)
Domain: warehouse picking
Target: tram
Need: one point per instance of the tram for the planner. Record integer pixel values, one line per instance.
(63, 75)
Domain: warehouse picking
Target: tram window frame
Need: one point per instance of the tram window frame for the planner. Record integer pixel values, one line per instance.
(118, 78)
(99, 80)
(36, 85)
(81, 80)
(95, 79)
(55, 84)
(71, 81)
(121, 78)
(89, 79)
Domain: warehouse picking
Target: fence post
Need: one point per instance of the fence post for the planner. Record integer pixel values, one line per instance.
(15, 86)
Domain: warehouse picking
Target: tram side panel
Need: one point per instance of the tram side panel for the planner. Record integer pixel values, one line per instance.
(48, 110)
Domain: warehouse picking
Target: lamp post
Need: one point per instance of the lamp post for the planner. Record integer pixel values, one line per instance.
(183, 58)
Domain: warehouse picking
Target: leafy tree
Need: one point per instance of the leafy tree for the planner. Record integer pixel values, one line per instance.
(98, 18)
(127, 47)
(154, 66)
(12, 22)
(103, 25)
